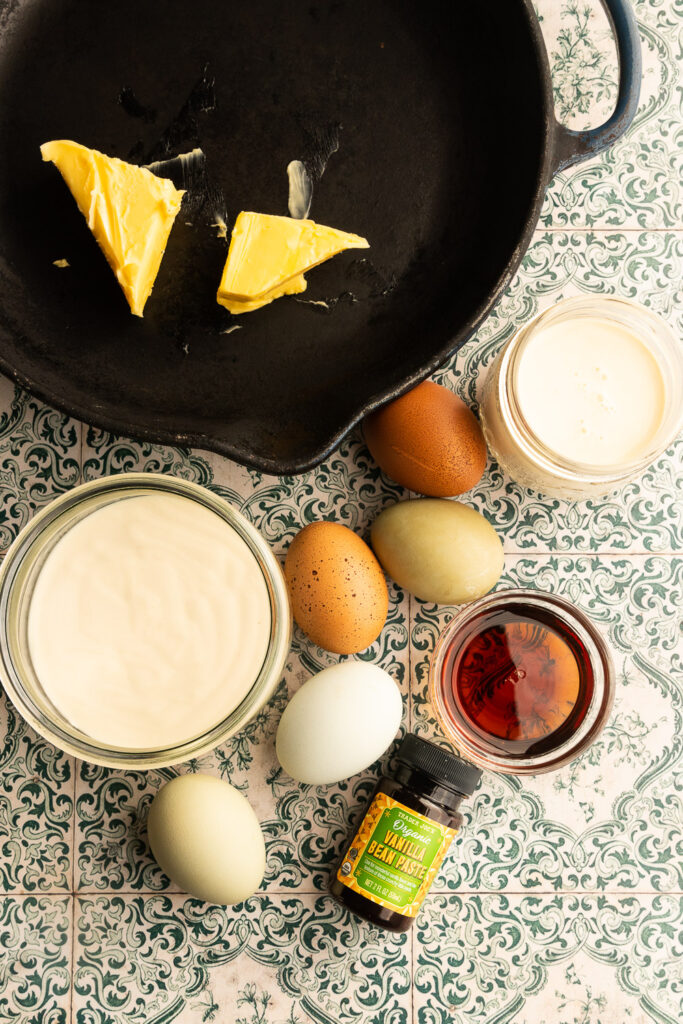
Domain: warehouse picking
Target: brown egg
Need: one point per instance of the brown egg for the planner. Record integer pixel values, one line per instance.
(337, 588)
(429, 441)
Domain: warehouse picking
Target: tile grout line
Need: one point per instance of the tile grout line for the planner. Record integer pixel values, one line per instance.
(73, 957)
(60, 894)
(293, 893)
(73, 891)
(606, 230)
(73, 896)
(602, 552)
(410, 662)
(556, 892)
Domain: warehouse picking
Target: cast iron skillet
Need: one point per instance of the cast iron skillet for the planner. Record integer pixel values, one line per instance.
(433, 122)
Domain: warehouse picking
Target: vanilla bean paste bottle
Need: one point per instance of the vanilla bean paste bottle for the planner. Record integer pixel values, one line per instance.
(409, 823)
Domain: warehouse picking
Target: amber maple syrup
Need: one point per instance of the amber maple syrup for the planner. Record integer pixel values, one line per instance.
(519, 679)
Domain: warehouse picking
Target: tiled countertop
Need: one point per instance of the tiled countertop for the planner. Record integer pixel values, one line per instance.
(562, 901)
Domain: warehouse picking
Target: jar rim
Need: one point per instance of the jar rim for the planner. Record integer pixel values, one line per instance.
(61, 511)
(598, 710)
(654, 332)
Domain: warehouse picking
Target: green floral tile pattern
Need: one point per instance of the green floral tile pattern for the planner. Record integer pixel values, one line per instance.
(271, 959)
(550, 960)
(40, 452)
(40, 457)
(35, 959)
(636, 183)
(36, 810)
(562, 900)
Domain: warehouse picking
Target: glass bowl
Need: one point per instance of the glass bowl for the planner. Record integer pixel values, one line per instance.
(18, 576)
(576, 730)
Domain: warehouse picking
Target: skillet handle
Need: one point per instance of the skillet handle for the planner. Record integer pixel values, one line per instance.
(571, 147)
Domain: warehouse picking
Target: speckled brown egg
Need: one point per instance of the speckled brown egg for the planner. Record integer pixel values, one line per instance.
(429, 441)
(337, 588)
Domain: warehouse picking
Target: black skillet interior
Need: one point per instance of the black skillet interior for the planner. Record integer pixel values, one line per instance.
(429, 118)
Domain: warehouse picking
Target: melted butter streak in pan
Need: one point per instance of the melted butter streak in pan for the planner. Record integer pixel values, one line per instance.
(187, 170)
(222, 227)
(300, 190)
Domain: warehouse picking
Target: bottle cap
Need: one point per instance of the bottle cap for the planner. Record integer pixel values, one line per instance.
(451, 771)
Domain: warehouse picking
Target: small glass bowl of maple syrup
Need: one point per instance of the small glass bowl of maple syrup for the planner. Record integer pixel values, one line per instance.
(521, 682)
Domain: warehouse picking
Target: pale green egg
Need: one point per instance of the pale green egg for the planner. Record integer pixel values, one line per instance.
(205, 836)
(439, 550)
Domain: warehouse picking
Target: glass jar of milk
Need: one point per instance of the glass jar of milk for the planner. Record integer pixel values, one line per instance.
(584, 398)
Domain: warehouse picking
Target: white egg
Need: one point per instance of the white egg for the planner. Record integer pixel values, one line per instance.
(338, 723)
(205, 836)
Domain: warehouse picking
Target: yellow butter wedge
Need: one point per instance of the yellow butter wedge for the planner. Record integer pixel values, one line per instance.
(267, 251)
(294, 286)
(129, 210)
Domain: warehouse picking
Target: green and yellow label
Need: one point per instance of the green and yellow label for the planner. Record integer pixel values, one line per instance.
(395, 856)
